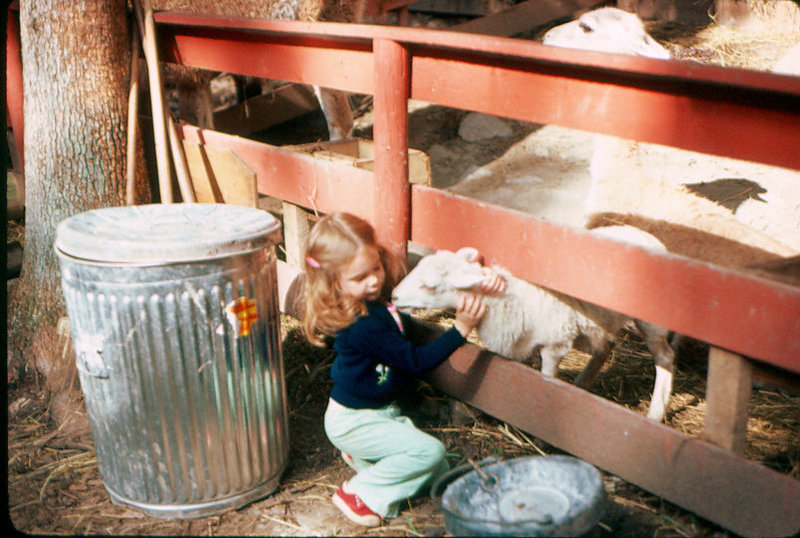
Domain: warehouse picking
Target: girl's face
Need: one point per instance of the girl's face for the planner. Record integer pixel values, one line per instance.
(363, 277)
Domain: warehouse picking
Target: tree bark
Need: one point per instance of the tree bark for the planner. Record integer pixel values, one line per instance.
(76, 60)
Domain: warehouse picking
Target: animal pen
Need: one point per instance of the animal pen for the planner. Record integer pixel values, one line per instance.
(749, 320)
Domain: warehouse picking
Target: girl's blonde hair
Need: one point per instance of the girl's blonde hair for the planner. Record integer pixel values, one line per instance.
(335, 241)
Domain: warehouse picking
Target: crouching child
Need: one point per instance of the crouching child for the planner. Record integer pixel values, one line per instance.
(349, 282)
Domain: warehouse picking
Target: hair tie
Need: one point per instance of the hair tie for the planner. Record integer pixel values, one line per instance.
(312, 262)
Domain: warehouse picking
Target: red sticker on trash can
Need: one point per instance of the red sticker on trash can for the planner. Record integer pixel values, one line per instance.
(244, 315)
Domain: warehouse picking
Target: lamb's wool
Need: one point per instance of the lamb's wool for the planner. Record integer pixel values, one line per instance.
(526, 318)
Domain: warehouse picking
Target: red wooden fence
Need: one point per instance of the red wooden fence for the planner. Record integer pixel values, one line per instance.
(730, 112)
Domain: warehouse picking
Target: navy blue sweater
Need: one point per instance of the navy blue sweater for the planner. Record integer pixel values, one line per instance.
(374, 360)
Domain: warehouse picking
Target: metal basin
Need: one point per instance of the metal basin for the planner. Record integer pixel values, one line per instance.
(533, 496)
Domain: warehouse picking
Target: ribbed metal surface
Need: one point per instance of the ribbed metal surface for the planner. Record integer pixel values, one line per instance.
(188, 415)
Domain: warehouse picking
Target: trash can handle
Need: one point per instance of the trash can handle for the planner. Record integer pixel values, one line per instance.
(91, 363)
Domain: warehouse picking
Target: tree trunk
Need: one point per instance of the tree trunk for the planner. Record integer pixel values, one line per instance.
(76, 60)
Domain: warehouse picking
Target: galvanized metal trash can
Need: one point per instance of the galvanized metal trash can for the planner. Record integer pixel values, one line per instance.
(176, 330)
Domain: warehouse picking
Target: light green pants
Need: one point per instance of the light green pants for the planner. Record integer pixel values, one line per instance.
(394, 460)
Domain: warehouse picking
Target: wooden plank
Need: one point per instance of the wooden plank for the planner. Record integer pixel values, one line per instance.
(133, 121)
(263, 111)
(729, 385)
(523, 17)
(379, 7)
(449, 7)
(296, 229)
(220, 176)
(740, 495)
(323, 186)
(360, 153)
(702, 123)
(179, 163)
(771, 376)
(276, 58)
(731, 309)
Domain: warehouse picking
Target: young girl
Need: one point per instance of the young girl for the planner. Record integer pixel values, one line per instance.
(349, 278)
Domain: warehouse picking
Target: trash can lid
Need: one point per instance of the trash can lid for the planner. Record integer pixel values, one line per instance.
(164, 233)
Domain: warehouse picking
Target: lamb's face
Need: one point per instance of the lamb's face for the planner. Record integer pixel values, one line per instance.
(437, 279)
(607, 30)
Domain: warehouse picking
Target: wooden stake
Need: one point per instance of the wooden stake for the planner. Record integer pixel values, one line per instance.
(296, 230)
(179, 159)
(144, 16)
(728, 390)
(133, 119)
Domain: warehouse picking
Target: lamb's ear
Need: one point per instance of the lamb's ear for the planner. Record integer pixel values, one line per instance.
(470, 254)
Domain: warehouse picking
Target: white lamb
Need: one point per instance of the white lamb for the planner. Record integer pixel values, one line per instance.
(625, 189)
(527, 319)
(607, 29)
(789, 62)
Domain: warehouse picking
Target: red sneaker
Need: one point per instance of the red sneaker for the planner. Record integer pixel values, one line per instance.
(354, 508)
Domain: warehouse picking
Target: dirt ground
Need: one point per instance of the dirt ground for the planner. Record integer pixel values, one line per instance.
(54, 486)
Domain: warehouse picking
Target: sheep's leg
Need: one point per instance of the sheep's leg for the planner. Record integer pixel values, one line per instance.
(551, 358)
(657, 340)
(661, 393)
(338, 114)
(600, 355)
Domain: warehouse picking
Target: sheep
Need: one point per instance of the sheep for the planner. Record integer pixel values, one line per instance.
(685, 222)
(789, 62)
(607, 29)
(528, 319)
(194, 94)
(631, 235)
(639, 184)
(778, 214)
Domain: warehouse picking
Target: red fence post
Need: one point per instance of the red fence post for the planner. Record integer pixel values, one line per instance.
(392, 199)
(14, 92)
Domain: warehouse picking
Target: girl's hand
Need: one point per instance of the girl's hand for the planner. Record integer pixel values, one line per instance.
(493, 284)
(469, 312)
